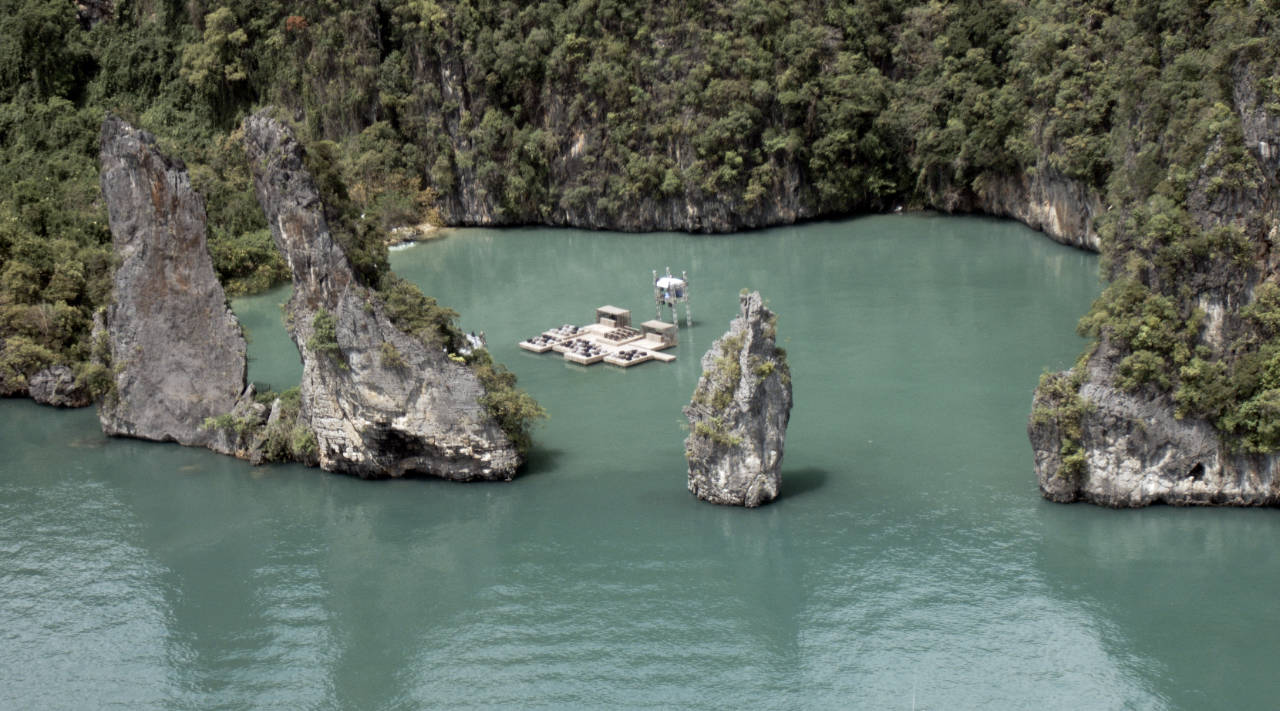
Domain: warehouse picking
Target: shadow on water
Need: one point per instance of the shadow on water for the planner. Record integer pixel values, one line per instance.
(803, 481)
(542, 460)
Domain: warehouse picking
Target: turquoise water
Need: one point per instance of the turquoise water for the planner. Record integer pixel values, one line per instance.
(910, 562)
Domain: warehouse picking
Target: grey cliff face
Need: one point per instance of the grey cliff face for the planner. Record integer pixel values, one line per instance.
(1041, 199)
(176, 349)
(1125, 449)
(373, 416)
(1062, 208)
(739, 413)
(1136, 453)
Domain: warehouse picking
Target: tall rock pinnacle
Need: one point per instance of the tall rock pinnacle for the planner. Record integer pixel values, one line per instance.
(739, 413)
(176, 350)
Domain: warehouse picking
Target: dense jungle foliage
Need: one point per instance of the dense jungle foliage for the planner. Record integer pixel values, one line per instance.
(421, 108)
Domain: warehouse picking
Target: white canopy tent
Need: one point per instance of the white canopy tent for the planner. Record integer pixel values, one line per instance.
(670, 290)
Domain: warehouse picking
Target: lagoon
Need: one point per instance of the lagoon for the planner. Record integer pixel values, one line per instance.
(909, 563)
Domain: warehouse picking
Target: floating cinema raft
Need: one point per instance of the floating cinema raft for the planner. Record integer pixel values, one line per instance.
(610, 338)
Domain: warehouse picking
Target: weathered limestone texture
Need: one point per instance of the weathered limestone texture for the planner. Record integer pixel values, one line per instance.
(1062, 208)
(415, 412)
(56, 386)
(1136, 453)
(739, 413)
(177, 351)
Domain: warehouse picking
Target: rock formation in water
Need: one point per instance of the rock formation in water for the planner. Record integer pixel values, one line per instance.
(176, 350)
(1178, 402)
(1095, 442)
(380, 402)
(739, 413)
(56, 386)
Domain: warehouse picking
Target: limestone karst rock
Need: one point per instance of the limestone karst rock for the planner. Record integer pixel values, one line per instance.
(1126, 449)
(56, 386)
(380, 402)
(739, 413)
(1101, 438)
(176, 350)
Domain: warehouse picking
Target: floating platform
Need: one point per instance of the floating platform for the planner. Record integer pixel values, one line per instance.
(627, 357)
(621, 336)
(611, 339)
(585, 359)
(566, 331)
(570, 343)
(538, 344)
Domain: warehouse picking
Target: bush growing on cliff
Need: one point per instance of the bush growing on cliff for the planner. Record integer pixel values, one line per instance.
(419, 315)
(20, 358)
(515, 410)
(361, 239)
(287, 439)
(718, 391)
(228, 422)
(96, 379)
(390, 356)
(1148, 328)
(1059, 405)
(324, 338)
(247, 263)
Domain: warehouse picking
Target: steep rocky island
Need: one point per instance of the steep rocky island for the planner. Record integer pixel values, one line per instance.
(381, 402)
(1178, 399)
(739, 412)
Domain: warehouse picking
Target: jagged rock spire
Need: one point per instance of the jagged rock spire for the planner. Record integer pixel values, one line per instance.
(739, 413)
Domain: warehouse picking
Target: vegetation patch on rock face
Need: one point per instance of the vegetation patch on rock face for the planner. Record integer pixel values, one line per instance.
(324, 338)
(1148, 327)
(1060, 405)
(722, 382)
(248, 263)
(280, 437)
(714, 429)
(1239, 389)
(515, 410)
(419, 315)
(287, 438)
(361, 240)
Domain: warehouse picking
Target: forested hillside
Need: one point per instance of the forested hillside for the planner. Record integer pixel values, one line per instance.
(703, 116)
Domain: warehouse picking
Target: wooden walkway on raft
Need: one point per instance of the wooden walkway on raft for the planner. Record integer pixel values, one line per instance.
(622, 346)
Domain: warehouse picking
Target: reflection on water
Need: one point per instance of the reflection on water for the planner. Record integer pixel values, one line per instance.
(910, 561)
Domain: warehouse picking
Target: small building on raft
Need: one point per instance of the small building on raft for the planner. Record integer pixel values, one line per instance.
(610, 338)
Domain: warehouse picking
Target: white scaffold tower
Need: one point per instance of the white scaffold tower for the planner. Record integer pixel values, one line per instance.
(670, 290)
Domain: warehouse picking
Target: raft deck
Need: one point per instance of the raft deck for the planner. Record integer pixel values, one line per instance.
(611, 339)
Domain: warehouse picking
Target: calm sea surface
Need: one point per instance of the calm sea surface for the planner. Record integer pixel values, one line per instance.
(910, 562)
